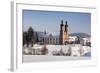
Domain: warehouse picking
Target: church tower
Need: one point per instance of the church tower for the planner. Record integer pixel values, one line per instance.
(64, 37)
(61, 32)
(66, 33)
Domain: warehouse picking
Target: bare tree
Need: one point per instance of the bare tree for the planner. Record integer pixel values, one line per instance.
(44, 50)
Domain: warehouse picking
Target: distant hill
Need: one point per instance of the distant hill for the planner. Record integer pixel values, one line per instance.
(82, 35)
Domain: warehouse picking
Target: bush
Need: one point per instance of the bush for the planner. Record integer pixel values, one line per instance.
(44, 50)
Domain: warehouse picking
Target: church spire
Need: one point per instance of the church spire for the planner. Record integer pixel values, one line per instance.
(62, 23)
(66, 26)
(45, 31)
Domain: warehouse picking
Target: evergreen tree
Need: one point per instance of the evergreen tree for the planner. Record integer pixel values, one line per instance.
(31, 36)
(36, 35)
(78, 40)
(25, 40)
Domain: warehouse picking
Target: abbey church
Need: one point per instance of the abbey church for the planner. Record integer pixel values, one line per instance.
(58, 38)
(64, 37)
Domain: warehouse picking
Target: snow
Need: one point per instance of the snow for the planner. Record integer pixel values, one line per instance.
(78, 52)
(56, 49)
(42, 58)
(76, 49)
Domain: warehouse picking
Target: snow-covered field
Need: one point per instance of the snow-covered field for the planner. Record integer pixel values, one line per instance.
(74, 50)
(41, 58)
(77, 52)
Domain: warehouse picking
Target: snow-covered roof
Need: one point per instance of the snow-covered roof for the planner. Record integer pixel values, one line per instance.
(55, 33)
(42, 34)
(36, 46)
(86, 39)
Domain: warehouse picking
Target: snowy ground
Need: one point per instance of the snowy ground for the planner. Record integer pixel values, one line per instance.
(41, 58)
(75, 50)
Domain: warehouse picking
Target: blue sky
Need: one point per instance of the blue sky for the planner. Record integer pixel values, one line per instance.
(51, 20)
